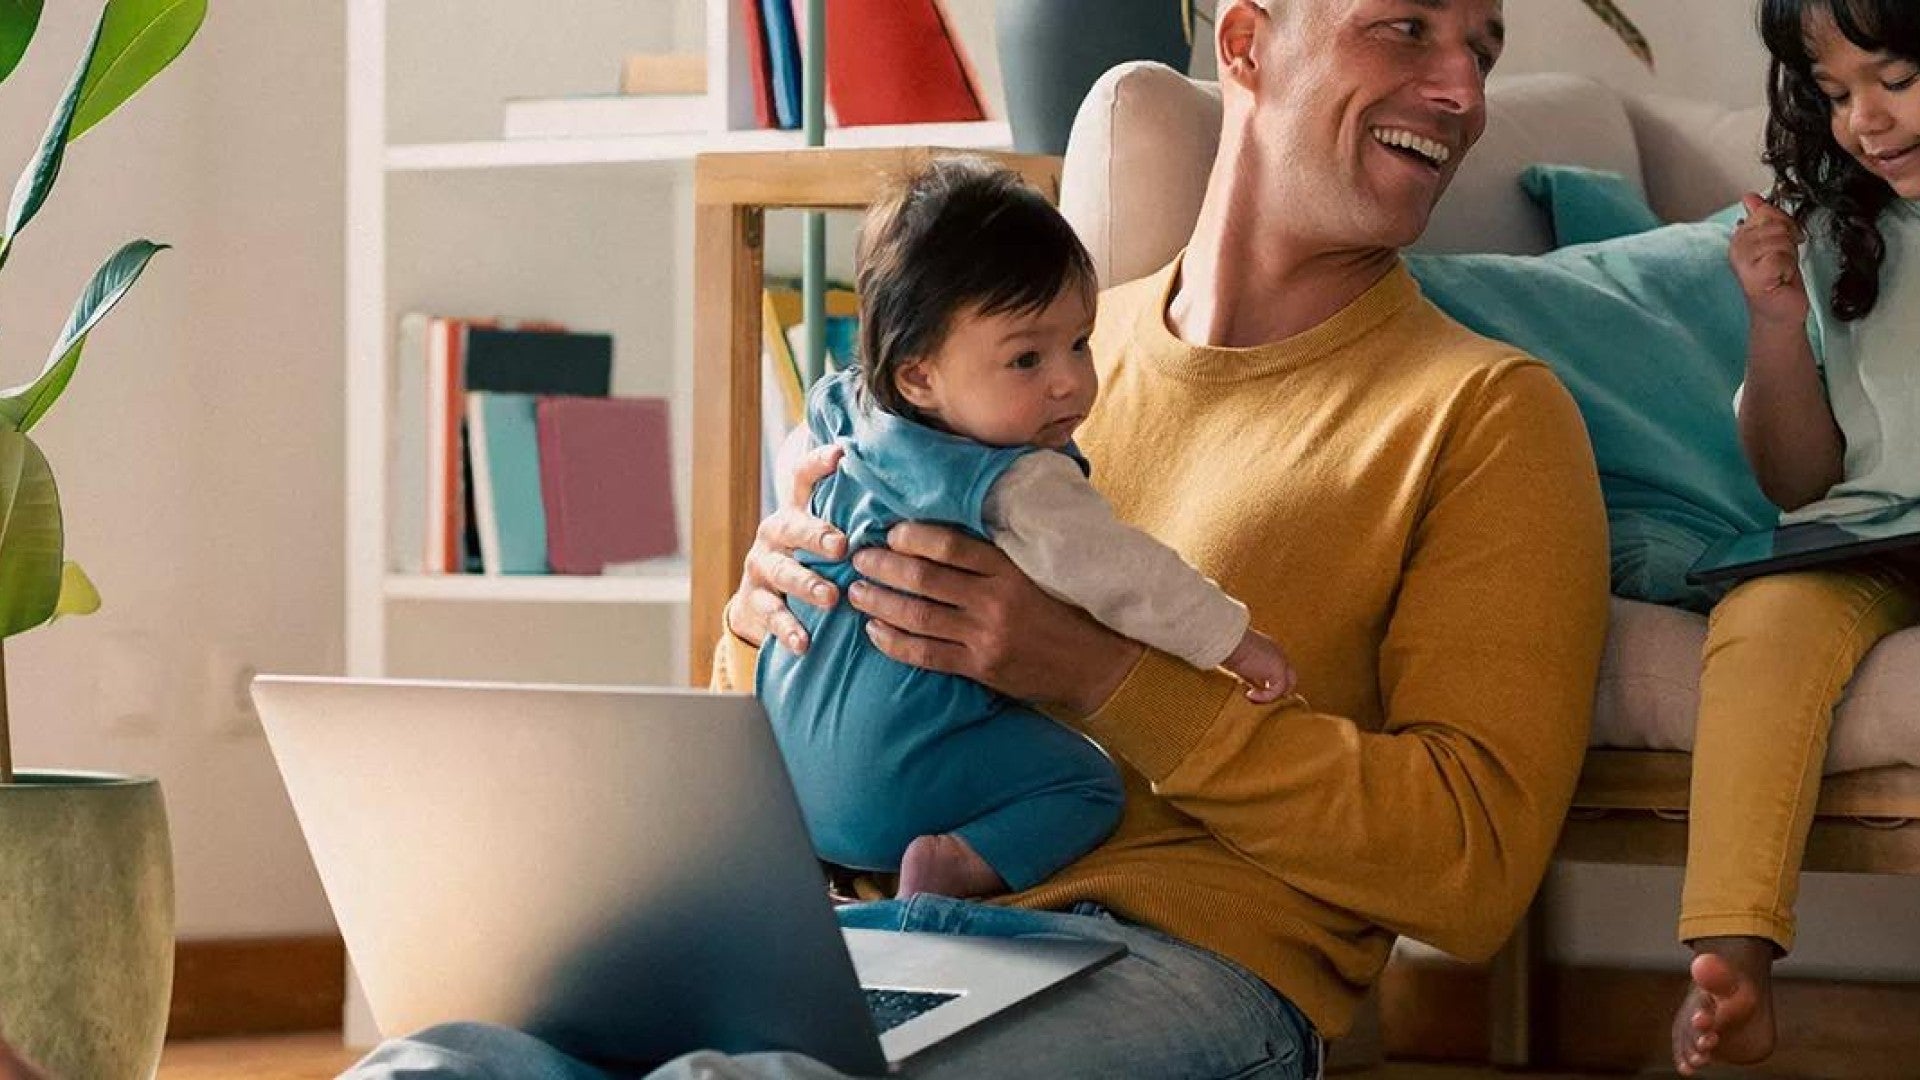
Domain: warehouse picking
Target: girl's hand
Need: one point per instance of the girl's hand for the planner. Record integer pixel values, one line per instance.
(1765, 254)
(941, 600)
(771, 573)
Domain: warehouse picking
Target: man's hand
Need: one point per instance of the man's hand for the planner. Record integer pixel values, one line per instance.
(771, 573)
(941, 600)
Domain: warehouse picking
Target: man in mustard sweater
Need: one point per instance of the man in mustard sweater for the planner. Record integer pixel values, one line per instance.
(1410, 509)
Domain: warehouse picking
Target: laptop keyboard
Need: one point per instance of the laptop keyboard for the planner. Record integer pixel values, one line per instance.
(891, 1008)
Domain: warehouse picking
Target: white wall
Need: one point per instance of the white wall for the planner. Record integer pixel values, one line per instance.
(198, 450)
(1702, 48)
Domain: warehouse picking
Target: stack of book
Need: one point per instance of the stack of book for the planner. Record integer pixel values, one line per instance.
(888, 62)
(510, 457)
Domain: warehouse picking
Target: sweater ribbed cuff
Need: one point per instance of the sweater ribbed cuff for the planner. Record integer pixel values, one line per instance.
(1160, 713)
(734, 660)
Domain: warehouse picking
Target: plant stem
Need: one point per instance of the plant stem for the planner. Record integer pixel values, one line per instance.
(6, 737)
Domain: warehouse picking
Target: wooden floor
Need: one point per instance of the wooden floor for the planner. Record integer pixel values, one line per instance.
(318, 1057)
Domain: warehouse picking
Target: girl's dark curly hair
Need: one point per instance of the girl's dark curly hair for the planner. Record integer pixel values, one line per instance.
(1814, 173)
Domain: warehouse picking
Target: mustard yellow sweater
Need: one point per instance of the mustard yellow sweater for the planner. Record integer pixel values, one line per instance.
(1412, 511)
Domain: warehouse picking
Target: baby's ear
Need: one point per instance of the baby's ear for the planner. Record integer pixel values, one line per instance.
(914, 380)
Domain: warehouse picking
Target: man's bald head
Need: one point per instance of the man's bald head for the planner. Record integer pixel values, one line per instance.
(1352, 116)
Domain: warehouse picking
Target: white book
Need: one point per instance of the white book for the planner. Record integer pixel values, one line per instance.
(407, 425)
(604, 115)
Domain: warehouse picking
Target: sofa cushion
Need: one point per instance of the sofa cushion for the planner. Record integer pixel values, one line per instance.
(1585, 206)
(1697, 156)
(1145, 139)
(1650, 691)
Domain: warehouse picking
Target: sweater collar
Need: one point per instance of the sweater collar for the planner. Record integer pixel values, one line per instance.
(1386, 298)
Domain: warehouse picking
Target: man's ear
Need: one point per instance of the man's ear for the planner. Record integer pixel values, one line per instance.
(1236, 32)
(914, 380)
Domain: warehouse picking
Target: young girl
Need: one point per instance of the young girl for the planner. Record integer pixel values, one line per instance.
(976, 300)
(1830, 425)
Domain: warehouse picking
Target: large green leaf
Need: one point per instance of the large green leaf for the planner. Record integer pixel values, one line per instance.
(77, 594)
(22, 406)
(18, 20)
(1629, 34)
(138, 38)
(30, 565)
(31, 190)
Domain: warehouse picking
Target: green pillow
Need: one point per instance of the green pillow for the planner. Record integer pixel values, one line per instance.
(1587, 205)
(1649, 333)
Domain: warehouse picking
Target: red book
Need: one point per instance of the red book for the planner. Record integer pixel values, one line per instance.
(896, 62)
(606, 481)
(758, 64)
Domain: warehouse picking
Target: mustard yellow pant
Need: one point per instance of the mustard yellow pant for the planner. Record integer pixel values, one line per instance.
(1780, 651)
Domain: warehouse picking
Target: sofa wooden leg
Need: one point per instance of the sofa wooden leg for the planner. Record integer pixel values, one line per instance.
(1512, 986)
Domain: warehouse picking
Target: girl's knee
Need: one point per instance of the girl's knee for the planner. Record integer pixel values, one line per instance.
(1791, 604)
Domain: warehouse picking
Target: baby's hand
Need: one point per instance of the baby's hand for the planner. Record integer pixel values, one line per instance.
(1765, 254)
(1259, 662)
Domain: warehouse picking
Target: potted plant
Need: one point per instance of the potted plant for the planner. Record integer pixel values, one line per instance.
(1052, 51)
(86, 877)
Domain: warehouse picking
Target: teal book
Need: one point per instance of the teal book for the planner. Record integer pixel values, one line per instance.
(504, 444)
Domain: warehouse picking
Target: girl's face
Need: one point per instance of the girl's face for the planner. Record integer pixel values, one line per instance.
(1873, 99)
(1023, 379)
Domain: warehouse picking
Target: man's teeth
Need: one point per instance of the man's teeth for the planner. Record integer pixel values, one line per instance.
(1438, 153)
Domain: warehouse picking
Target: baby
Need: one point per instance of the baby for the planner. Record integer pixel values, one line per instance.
(976, 301)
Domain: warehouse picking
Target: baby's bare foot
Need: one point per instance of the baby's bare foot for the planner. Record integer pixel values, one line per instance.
(1727, 1015)
(947, 866)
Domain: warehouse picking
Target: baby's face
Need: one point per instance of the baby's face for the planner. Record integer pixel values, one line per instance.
(1023, 379)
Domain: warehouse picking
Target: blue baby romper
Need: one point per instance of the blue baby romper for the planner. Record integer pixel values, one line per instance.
(882, 752)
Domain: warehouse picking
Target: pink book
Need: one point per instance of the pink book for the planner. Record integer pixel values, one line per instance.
(606, 481)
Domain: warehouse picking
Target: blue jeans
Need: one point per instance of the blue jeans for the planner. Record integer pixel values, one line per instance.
(1165, 1011)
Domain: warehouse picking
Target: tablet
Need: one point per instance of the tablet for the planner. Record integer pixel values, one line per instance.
(1810, 543)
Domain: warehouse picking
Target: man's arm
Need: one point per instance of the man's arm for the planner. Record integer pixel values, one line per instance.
(1439, 826)
(1064, 536)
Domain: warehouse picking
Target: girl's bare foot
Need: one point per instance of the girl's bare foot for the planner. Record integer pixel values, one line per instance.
(947, 866)
(1727, 1015)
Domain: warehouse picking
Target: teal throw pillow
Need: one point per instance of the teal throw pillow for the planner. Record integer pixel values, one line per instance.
(1587, 205)
(1649, 333)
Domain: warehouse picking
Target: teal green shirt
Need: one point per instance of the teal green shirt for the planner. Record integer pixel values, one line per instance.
(1871, 367)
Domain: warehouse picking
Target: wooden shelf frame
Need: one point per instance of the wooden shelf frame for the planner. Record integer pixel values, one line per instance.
(732, 194)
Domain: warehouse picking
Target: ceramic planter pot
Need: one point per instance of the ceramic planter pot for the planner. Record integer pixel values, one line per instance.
(1052, 52)
(86, 923)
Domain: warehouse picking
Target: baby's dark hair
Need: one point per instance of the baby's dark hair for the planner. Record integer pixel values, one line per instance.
(1814, 173)
(960, 235)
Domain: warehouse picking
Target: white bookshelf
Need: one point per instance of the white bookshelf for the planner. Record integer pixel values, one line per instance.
(665, 582)
(672, 149)
(445, 216)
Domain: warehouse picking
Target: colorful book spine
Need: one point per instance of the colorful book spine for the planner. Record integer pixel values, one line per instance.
(606, 480)
(503, 438)
(758, 64)
(783, 61)
(897, 62)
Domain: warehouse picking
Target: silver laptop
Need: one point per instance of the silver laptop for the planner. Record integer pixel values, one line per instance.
(623, 873)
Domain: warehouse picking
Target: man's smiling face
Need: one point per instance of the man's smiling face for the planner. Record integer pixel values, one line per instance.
(1371, 105)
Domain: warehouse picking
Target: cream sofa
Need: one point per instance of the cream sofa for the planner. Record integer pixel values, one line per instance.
(1135, 172)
